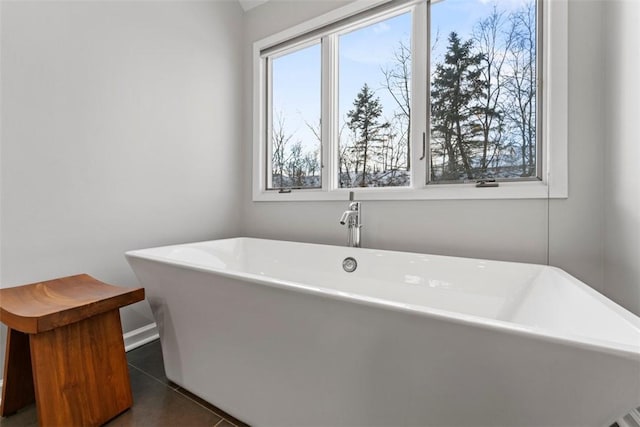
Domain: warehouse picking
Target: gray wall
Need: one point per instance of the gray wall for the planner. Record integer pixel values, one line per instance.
(120, 123)
(497, 229)
(622, 193)
(576, 224)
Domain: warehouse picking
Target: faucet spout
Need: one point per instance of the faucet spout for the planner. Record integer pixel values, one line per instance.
(345, 217)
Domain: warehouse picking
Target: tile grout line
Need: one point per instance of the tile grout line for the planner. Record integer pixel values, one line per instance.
(151, 376)
(200, 404)
(154, 377)
(184, 395)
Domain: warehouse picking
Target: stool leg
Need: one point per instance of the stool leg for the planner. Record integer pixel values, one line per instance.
(17, 387)
(80, 372)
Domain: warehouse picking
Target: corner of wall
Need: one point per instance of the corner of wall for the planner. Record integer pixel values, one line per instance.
(621, 202)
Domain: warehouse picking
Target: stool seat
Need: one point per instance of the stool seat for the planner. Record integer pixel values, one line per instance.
(39, 307)
(65, 350)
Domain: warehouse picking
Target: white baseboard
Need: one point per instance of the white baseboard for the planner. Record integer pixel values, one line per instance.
(140, 336)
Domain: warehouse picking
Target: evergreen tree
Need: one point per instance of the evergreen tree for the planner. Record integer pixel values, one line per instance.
(364, 121)
(456, 91)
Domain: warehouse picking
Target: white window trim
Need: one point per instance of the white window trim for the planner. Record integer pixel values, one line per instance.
(554, 183)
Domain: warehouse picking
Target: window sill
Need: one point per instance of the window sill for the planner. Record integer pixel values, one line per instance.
(506, 190)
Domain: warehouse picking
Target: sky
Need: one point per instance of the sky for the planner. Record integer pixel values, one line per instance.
(363, 54)
(296, 92)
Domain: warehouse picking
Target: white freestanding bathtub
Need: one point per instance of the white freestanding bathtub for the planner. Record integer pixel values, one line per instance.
(278, 334)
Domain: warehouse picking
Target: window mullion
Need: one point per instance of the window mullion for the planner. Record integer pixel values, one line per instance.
(268, 64)
(419, 96)
(330, 143)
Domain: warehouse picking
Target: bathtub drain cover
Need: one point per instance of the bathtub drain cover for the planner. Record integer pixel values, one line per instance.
(349, 264)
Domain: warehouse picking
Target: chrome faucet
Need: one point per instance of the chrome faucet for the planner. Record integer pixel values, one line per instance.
(353, 219)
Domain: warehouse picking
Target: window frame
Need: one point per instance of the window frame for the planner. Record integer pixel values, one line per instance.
(552, 89)
(268, 112)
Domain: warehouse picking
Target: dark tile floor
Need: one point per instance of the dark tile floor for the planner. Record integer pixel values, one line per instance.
(156, 401)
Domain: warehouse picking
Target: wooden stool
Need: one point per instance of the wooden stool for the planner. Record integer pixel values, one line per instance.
(65, 350)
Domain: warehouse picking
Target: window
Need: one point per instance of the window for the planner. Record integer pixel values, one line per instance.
(294, 119)
(483, 91)
(374, 104)
(399, 101)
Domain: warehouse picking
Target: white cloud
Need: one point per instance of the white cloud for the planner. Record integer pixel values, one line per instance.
(381, 27)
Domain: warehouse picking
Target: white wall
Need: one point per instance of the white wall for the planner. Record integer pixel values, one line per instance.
(120, 123)
(576, 224)
(507, 229)
(622, 193)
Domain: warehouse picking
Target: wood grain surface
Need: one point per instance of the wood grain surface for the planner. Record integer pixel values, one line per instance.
(42, 306)
(80, 372)
(65, 350)
(17, 390)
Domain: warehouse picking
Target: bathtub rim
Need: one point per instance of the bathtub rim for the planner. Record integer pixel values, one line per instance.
(626, 351)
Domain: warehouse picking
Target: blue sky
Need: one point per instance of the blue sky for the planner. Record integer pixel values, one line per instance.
(462, 15)
(296, 93)
(363, 53)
